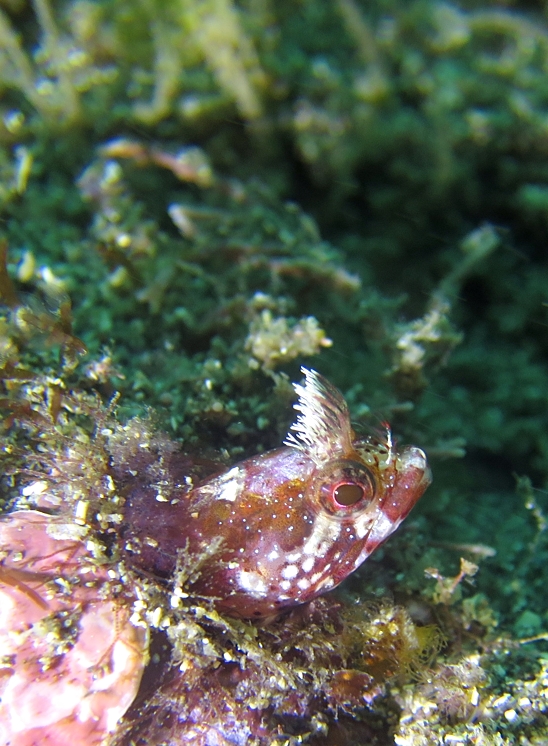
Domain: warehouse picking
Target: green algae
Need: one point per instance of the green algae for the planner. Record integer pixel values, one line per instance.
(377, 167)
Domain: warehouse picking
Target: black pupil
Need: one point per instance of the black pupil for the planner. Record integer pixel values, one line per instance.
(348, 494)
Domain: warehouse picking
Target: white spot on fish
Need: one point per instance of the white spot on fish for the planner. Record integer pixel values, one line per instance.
(225, 487)
(230, 491)
(382, 528)
(252, 582)
(363, 525)
(324, 533)
(308, 564)
(326, 583)
(290, 571)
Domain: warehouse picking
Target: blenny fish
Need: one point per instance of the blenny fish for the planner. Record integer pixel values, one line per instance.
(280, 528)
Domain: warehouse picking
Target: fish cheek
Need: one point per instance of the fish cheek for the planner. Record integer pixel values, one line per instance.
(289, 518)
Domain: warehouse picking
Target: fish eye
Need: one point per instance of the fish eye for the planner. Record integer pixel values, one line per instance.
(344, 486)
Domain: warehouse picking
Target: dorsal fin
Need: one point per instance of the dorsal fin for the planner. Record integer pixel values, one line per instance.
(322, 430)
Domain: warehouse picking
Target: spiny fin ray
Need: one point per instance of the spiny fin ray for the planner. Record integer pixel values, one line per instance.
(322, 430)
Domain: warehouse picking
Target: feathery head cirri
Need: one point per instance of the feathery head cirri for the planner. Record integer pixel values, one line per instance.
(281, 528)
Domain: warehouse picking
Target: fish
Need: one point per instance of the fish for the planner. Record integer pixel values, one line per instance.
(277, 529)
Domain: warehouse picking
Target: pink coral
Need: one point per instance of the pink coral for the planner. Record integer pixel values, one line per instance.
(71, 659)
